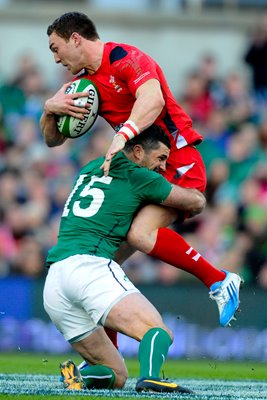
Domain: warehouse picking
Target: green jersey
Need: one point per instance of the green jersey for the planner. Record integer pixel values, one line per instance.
(99, 211)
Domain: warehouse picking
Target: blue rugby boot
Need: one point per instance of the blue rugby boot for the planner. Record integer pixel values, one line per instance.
(226, 295)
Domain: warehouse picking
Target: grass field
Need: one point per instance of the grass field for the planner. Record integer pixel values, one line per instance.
(33, 376)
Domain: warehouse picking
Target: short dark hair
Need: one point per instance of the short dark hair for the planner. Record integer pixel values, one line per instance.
(149, 139)
(71, 22)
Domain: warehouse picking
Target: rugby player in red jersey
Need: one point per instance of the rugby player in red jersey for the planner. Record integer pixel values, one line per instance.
(135, 94)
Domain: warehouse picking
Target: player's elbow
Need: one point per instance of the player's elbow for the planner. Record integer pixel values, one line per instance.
(54, 140)
(199, 203)
(156, 102)
(50, 143)
(161, 101)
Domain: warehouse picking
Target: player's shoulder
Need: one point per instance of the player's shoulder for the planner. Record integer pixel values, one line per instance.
(120, 51)
(144, 174)
(92, 166)
(124, 168)
(149, 185)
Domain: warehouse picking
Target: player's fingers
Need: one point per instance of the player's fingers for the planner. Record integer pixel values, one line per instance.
(77, 112)
(106, 165)
(78, 95)
(80, 102)
(78, 109)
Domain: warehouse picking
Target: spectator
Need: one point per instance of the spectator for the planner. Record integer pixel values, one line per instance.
(196, 99)
(253, 221)
(263, 139)
(216, 135)
(236, 103)
(256, 58)
(208, 69)
(243, 154)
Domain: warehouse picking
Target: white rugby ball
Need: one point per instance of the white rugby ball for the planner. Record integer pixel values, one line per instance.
(74, 127)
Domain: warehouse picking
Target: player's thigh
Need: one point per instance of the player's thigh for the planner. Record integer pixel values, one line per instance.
(143, 230)
(185, 167)
(60, 300)
(134, 315)
(96, 285)
(97, 348)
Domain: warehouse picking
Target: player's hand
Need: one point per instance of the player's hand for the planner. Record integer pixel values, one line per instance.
(117, 145)
(63, 103)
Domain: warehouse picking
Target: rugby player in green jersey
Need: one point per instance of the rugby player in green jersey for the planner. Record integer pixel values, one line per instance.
(86, 290)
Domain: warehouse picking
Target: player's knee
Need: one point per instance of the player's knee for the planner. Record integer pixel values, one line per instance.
(200, 203)
(169, 332)
(121, 375)
(162, 326)
(134, 234)
(140, 239)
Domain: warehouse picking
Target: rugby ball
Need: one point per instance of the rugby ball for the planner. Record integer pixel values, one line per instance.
(73, 127)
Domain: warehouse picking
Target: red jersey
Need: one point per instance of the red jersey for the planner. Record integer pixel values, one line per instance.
(123, 69)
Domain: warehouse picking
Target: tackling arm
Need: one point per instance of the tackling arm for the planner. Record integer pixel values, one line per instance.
(190, 200)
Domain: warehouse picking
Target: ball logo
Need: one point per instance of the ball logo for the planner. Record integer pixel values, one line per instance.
(73, 127)
(71, 88)
(91, 98)
(60, 123)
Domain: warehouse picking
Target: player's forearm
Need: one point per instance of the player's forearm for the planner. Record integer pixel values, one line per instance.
(51, 134)
(146, 110)
(148, 105)
(190, 200)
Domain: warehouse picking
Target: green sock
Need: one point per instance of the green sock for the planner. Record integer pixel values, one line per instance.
(98, 377)
(152, 352)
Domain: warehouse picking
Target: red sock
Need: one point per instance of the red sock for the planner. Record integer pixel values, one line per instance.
(113, 335)
(171, 248)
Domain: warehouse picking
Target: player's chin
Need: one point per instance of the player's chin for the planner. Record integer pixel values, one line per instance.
(74, 70)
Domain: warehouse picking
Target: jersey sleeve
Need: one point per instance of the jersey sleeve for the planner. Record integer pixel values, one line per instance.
(137, 68)
(151, 186)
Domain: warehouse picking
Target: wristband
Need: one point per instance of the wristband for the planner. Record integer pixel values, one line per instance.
(128, 130)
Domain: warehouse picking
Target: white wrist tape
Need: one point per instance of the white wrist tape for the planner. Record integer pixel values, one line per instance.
(129, 130)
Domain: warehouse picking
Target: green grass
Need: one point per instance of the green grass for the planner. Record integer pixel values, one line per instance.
(50, 397)
(49, 364)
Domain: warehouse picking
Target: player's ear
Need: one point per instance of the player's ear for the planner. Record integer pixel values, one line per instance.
(76, 38)
(138, 152)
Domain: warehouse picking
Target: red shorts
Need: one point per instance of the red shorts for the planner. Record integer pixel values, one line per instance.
(186, 168)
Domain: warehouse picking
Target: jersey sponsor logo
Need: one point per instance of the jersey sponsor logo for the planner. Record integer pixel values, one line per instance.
(117, 87)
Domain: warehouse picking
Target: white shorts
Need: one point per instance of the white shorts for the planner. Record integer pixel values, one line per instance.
(80, 291)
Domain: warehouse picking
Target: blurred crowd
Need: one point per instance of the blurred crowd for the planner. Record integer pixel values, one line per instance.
(229, 111)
